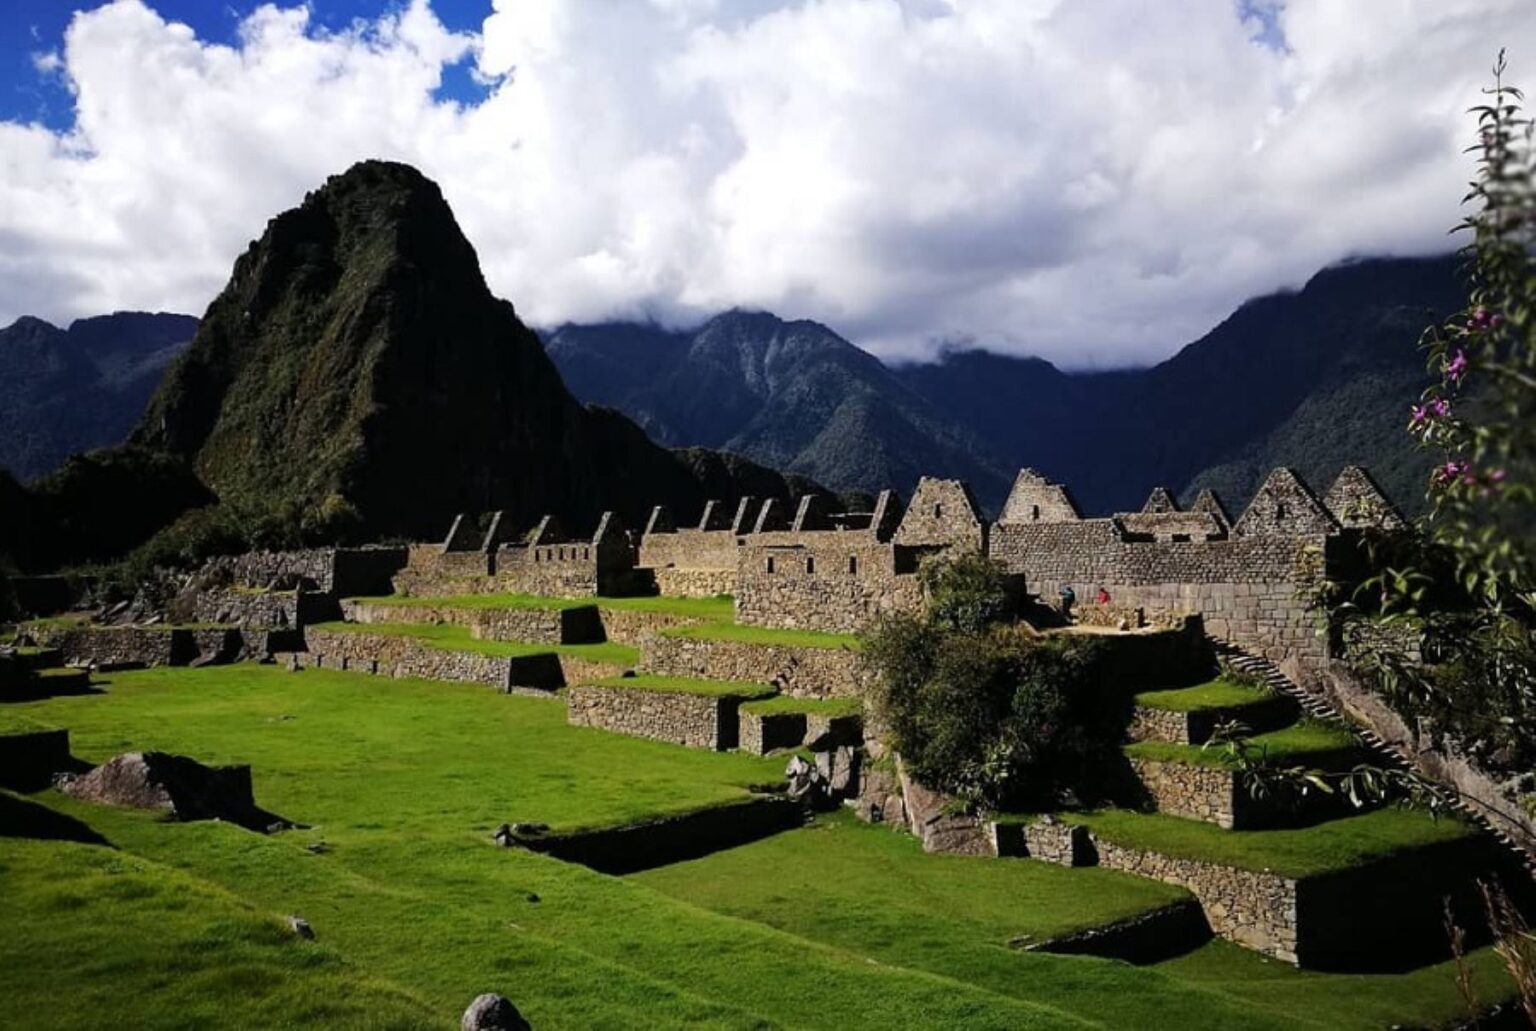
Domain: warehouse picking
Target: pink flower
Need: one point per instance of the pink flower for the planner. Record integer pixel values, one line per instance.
(1449, 473)
(1440, 408)
(1420, 415)
(1497, 476)
(1456, 368)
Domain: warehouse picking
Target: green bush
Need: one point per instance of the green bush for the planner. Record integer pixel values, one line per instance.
(990, 713)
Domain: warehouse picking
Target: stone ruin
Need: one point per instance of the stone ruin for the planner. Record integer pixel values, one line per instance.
(801, 566)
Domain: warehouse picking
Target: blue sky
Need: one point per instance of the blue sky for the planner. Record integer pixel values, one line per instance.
(37, 26)
(1096, 182)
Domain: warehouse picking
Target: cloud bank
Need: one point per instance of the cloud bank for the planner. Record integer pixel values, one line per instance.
(1093, 181)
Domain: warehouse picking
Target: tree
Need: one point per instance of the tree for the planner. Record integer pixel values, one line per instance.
(1468, 585)
(981, 709)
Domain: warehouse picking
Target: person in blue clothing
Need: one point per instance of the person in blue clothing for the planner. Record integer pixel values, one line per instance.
(1068, 599)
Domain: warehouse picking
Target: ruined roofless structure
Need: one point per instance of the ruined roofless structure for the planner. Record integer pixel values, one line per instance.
(798, 565)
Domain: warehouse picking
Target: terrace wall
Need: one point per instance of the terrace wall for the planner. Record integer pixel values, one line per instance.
(1256, 910)
(694, 583)
(799, 671)
(398, 656)
(698, 721)
(260, 608)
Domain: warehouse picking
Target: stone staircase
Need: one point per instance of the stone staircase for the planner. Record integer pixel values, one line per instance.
(1383, 752)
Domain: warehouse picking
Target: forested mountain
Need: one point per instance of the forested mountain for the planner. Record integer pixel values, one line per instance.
(793, 395)
(69, 390)
(1318, 379)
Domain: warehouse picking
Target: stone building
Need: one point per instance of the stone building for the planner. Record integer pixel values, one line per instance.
(1250, 579)
(548, 561)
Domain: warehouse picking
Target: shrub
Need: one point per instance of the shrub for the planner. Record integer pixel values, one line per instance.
(993, 714)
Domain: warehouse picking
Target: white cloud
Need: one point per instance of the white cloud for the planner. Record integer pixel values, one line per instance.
(1096, 181)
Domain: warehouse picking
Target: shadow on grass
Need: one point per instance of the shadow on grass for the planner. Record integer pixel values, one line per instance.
(23, 818)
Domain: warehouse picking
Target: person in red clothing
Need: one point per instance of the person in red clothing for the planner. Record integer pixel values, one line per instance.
(1102, 597)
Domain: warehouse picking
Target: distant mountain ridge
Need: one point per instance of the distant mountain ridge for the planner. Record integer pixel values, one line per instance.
(357, 380)
(1317, 378)
(793, 395)
(69, 390)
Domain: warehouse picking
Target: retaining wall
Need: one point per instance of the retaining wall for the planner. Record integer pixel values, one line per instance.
(671, 839)
(1196, 728)
(694, 583)
(1256, 910)
(29, 760)
(698, 721)
(799, 671)
(403, 657)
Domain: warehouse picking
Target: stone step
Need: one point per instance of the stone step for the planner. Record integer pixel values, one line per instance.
(782, 722)
(1385, 910)
(1384, 752)
(36, 659)
(679, 710)
(1199, 726)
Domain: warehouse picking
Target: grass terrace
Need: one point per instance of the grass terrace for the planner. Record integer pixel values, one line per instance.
(1316, 742)
(479, 601)
(1217, 694)
(455, 638)
(875, 893)
(1290, 852)
(400, 784)
(809, 706)
(763, 635)
(716, 609)
(688, 685)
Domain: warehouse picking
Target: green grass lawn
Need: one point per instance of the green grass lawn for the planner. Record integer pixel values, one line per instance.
(1315, 742)
(809, 706)
(1217, 694)
(719, 609)
(478, 601)
(716, 609)
(454, 637)
(154, 947)
(688, 685)
(873, 892)
(416, 911)
(1291, 852)
(763, 635)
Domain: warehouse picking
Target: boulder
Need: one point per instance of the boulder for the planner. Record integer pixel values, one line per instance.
(492, 1012)
(807, 784)
(840, 768)
(182, 788)
(938, 820)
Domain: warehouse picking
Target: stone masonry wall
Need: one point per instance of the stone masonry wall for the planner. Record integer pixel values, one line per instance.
(698, 721)
(694, 583)
(629, 626)
(1255, 910)
(1206, 793)
(1251, 590)
(839, 582)
(800, 672)
(110, 646)
(254, 608)
(690, 549)
(550, 626)
(402, 657)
